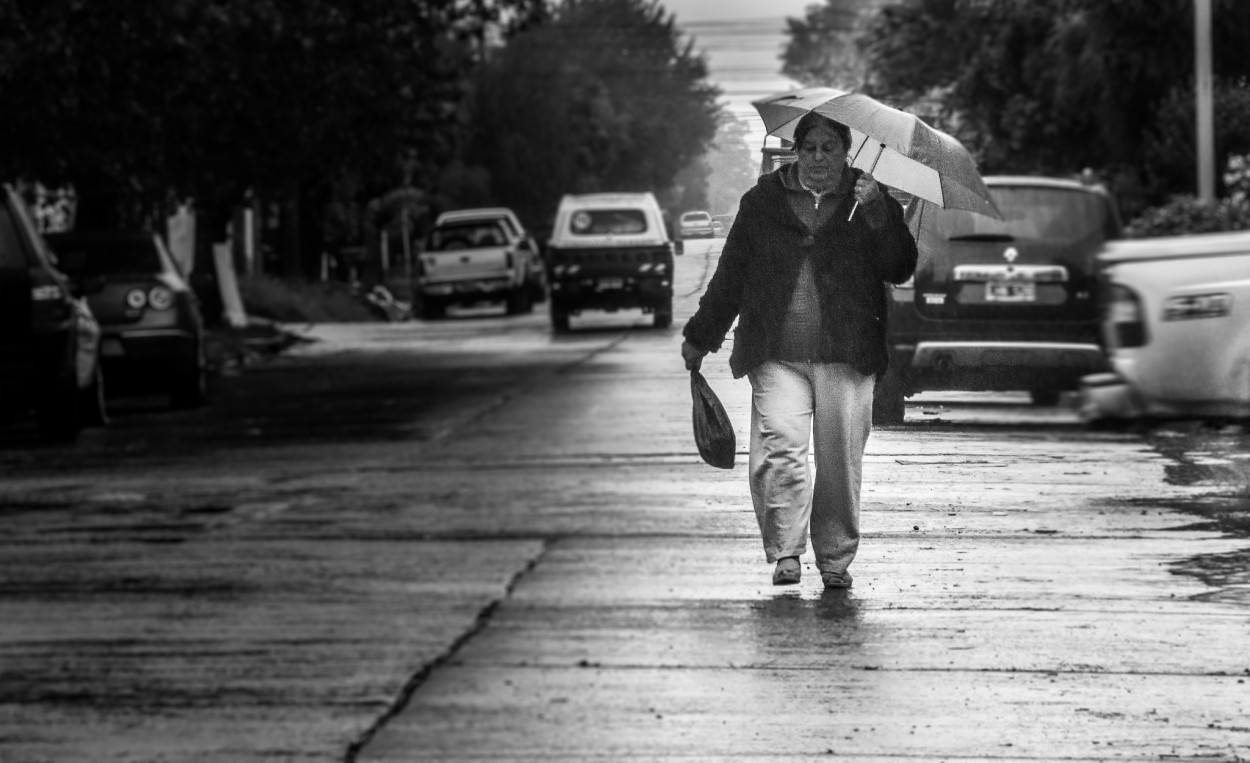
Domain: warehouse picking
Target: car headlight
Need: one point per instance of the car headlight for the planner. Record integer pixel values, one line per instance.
(160, 298)
(136, 299)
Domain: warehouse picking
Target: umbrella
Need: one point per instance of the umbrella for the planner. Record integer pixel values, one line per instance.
(896, 147)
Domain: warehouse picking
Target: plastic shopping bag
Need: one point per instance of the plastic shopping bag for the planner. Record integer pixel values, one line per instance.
(713, 432)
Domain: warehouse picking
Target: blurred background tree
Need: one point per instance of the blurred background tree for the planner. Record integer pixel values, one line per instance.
(605, 95)
(822, 49)
(734, 166)
(1053, 86)
(212, 99)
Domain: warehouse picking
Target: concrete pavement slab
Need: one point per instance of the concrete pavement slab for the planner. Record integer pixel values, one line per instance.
(672, 649)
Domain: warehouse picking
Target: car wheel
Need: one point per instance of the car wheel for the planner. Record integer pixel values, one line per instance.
(92, 409)
(559, 320)
(432, 309)
(1047, 397)
(888, 405)
(519, 301)
(189, 382)
(664, 316)
(58, 410)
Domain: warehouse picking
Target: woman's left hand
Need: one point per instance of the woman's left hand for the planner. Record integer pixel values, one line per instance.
(866, 189)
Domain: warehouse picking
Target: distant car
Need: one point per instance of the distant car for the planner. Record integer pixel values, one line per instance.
(152, 330)
(696, 225)
(49, 339)
(721, 224)
(480, 255)
(1176, 328)
(1002, 304)
(610, 252)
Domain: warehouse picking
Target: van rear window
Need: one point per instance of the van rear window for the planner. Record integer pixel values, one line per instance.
(588, 222)
(1051, 214)
(11, 255)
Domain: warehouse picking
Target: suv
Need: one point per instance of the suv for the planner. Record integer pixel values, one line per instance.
(479, 255)
(1006, 304)
(610, 251)
(49, 340)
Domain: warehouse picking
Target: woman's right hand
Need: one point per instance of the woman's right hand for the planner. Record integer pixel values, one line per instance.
(692, 355)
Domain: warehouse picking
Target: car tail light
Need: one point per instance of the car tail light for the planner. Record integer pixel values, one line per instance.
(48, 303)
(1125, 316)
(160, 298)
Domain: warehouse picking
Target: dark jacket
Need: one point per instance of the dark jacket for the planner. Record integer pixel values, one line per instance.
(760, 263)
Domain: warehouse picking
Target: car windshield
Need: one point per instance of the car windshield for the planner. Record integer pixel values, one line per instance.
(467, 235)
(587, 222)
(107, 257)
(1053, 214)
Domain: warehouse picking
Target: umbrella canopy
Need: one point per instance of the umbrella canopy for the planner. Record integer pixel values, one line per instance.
(898, 148)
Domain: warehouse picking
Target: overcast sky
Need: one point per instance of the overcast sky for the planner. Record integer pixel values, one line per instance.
(742, 41)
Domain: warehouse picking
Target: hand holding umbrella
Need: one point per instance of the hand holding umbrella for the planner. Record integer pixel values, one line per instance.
(866, 189)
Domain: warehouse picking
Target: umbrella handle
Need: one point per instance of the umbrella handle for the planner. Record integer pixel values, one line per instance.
(875, 159)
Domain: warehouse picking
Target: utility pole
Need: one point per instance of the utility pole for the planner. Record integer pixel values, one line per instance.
(1203, 93)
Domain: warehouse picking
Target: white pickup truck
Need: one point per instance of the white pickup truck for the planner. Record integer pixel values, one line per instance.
(474, 256)
(1176, 328)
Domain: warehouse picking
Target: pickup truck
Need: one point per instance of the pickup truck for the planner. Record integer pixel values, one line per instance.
(474, 256)
(1175, 329)
(610, 251)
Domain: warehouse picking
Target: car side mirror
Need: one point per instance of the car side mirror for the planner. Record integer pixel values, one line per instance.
(679, 247)
(525, 245)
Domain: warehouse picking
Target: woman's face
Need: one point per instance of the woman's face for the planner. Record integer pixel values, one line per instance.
(821, 157)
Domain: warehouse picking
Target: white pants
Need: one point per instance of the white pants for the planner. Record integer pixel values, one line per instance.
(792, 404)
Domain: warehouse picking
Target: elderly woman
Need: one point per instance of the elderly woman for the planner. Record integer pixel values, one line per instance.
(803, 271)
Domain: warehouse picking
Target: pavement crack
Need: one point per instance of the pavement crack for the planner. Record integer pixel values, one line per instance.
(415, 682)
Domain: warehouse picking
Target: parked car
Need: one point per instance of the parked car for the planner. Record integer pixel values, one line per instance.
(1177, 329)
(696, 225)
(152, 330)
(482, 255)
(721, 224)
(610, 251)
(1006, 304)
(49, 339)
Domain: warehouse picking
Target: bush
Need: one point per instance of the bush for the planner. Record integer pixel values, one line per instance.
(1189, 214)
(291, 301)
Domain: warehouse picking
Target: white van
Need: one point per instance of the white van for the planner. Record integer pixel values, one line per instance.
(610, 251)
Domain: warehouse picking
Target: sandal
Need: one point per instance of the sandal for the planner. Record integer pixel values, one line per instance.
(788, 571)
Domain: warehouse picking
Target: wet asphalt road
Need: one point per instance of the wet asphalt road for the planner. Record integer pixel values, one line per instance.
(469, 540)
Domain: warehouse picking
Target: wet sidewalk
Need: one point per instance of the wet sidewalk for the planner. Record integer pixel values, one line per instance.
(1017, 597)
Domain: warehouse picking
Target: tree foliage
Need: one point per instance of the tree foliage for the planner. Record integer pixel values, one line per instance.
(1051, 86)
(733, 166)
(209, 98)
(821, 45)
(606, 95)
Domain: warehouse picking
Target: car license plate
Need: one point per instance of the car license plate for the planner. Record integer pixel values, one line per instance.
(1010, 291)
(611, 283)
(111, 348)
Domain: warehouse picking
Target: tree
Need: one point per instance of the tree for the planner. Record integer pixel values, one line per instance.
(821, 49)
(605, 95)
(214, 99)
(734, 166)
(1051, 86)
